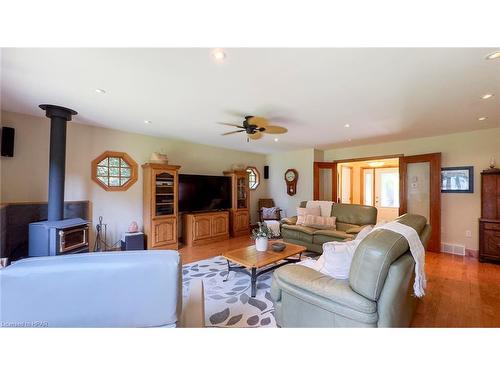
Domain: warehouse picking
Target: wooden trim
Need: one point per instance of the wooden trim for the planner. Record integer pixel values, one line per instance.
(325, 165)
(434, 160)
(395, 156)
(122, 155)
(257, 174)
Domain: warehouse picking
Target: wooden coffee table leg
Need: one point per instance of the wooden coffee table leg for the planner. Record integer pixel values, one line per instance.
(254, 281)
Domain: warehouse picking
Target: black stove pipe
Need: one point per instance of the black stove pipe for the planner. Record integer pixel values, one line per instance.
(57, 160)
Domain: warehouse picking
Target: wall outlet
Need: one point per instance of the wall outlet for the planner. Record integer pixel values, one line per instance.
(468, 234)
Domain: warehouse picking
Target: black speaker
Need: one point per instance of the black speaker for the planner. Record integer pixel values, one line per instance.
(7, 148)
(266, 172)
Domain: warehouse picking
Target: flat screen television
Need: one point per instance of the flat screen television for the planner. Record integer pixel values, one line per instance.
(204, 193)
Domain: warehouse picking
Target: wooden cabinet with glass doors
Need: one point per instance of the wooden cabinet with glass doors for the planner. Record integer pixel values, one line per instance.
(239, 219)
(160, 206)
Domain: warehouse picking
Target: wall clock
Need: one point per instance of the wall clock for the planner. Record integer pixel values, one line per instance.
(291, 177)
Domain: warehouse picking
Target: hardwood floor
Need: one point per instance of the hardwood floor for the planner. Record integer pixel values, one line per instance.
(461, 291)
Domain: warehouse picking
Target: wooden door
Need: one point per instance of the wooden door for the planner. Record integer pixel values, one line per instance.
(241, 220)
(164, 232)
(322, 170)
(202, 227)
(420, 191)
(220, 225)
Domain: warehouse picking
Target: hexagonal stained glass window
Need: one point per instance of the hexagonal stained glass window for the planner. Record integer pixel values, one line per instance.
(114, 171)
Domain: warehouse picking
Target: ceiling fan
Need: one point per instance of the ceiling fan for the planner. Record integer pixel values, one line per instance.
(255, 127)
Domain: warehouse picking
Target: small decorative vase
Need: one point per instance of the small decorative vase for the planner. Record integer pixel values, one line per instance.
(261, 243)
(492, 162)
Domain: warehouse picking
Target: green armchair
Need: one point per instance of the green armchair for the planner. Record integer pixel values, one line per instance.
(378, 292)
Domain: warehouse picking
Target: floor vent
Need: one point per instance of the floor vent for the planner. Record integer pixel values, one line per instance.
(453, 248)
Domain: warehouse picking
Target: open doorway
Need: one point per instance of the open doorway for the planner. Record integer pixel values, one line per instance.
(372, 182)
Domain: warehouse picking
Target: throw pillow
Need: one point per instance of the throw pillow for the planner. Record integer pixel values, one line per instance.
(269, 213)
(303, 212)
(320, 222)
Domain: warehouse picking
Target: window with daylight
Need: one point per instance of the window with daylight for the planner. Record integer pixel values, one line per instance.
(114, 171)
(253, 178)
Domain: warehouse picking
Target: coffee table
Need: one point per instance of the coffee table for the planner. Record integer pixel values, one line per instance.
(255, 263)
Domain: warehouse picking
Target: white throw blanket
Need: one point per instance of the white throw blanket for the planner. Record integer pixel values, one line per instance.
(417, 251)
(325, 207)
(274, 227)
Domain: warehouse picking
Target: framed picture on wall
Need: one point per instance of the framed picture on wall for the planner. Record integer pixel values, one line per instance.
(457, 180)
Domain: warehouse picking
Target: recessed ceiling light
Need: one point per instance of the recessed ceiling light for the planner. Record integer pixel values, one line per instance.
(276, 139)
(100, 91)
(218, 54)
(487, 96)
(148, 121)
(493, 55)
(482, 118)
(347, 126)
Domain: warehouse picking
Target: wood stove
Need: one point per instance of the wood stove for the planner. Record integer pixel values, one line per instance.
(58, 236)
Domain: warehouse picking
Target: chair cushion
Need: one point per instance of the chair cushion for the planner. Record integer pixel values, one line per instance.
(346, 227)
(300, 228)
(307, 283)
(270, 213)
(297, 232)
(322, 236)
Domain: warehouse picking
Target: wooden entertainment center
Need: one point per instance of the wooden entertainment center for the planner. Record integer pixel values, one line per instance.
(161, 212)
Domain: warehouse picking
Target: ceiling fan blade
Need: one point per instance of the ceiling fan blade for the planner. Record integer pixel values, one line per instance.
(261, 122)
(233, 132)
(273, 129)
(255, 136)
(229, 124)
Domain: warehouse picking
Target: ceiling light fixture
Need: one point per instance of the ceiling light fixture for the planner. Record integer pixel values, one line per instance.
(347, 126)
(493, 55)
(276, 139)
(218, 54)
(487, 96)
(148, 121)
(100, 91)
(482, 118)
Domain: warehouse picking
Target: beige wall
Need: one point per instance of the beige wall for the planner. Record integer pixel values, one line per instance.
(25, 177)
(460, 212)
(302, 161)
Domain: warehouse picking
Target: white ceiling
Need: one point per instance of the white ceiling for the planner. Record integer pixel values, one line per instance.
(384, 94)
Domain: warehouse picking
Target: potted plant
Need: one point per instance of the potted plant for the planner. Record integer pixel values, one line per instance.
(261, 235)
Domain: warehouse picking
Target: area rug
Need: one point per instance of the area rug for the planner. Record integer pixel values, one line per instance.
(229, 304)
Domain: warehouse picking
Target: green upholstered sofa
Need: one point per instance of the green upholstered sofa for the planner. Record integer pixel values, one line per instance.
(350, 219)
(378, 293)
